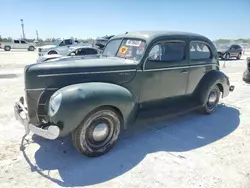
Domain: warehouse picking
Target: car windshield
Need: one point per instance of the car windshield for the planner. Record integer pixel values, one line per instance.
(125, 48)
(57, 42)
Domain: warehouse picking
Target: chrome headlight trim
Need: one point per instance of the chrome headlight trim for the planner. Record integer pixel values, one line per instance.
(54, 103)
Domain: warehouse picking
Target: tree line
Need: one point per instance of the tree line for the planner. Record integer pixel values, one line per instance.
(47, 40)
(89, 40)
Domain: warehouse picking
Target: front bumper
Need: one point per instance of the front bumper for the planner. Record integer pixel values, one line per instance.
(50, 132)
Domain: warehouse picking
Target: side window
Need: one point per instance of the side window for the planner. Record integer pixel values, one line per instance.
(16, 41)
(23, 42)
(80, 51)
(90, 51)
(168, 51)
(173, 51)
(68, 42)
(62, 43)
(199, 51)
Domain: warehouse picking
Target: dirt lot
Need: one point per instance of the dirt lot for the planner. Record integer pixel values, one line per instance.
(190, 151)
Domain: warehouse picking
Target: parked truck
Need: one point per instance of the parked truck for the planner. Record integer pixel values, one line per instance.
(59, 47)
(17, 44)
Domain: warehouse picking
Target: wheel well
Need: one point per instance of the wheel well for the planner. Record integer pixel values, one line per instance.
(114, 108)
(220, 87)
(52, 51)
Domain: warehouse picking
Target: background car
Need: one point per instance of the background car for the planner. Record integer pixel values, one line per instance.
(59, 47)
(83, 52)
(228, 51)
(17, 44)
(102, 41)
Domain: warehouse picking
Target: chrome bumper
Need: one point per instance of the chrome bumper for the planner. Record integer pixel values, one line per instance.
(21, 114)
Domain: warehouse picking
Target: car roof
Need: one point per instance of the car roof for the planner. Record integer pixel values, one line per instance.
(149, 35)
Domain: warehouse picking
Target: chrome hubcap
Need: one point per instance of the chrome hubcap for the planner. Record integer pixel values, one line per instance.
(212, 98)
(100, 132)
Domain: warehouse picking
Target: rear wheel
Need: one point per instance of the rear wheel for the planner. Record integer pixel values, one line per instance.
(98, 133)
(31, 48)
(212, 100)
(238, 56)
(7, 48)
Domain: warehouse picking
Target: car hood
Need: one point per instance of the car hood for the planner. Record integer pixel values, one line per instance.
(47, 46)
(60, 73)
(61, 58)
(51, 56)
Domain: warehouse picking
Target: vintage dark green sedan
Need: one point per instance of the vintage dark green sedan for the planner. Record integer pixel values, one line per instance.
(138, 73)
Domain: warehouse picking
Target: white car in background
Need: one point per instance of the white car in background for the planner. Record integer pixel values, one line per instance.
(59, 47)
(74, 52)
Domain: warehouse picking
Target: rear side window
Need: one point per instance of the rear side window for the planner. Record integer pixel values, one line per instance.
(199, 51)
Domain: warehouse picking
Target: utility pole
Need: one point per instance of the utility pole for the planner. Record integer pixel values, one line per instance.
(22, 25)
(37, 37)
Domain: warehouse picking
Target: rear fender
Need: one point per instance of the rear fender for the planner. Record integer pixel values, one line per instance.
(214, 77)
(79, 100)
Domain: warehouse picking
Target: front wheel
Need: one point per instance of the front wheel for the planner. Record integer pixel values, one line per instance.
(52, 52)
(212, 100)
(31, 48)
(98, 133)
(227, 56)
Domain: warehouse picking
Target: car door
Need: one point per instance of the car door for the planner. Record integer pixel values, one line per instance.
(64, 46)
(165, 75)
(17, 44)
(24, 44)
(201, 61)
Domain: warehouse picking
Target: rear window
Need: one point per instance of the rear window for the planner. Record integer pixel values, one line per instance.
(199, 51)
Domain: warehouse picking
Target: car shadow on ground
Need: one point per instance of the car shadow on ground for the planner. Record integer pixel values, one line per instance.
(179, 134)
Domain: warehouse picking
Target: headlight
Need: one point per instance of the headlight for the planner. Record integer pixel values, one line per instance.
(54, 103)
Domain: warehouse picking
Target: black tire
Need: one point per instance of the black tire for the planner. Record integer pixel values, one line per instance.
(227, 56)
(83, 136)
(7, 48)
(238, 56)
(52, 52)
(211, 102)
(31, 48)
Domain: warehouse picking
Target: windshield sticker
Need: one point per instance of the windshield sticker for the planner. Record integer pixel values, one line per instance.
(133, 43)
(123, 50)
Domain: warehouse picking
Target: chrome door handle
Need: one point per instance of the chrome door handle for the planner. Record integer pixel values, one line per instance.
(184, 71)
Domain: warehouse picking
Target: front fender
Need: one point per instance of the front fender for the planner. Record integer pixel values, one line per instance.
(214, 77)
(79, 100)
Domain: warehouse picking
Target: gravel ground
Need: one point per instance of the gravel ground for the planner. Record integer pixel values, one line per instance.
(190, 151)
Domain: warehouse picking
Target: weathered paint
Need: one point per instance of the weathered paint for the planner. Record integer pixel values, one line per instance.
(128, 85)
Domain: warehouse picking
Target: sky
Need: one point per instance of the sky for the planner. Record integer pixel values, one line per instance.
(93, 18)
